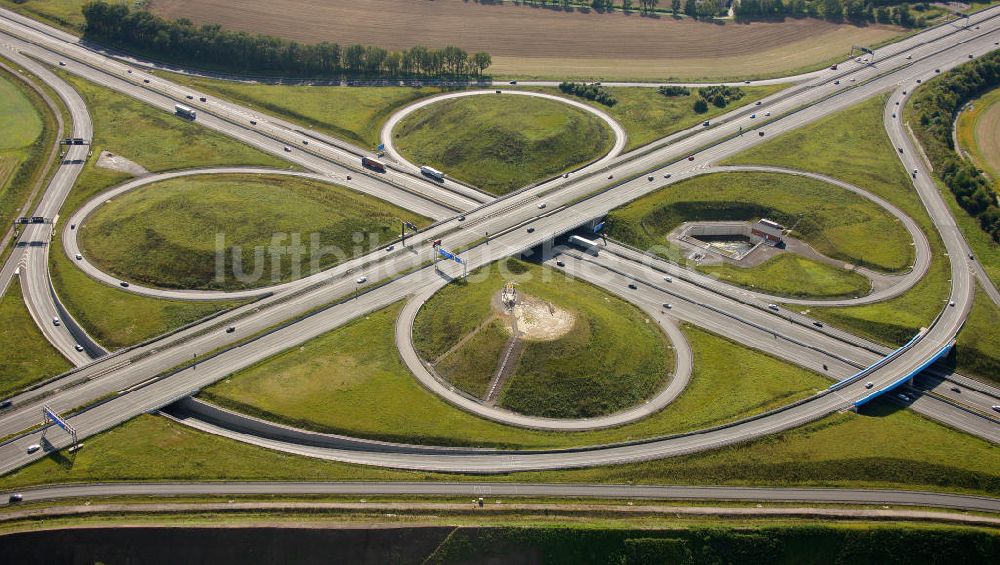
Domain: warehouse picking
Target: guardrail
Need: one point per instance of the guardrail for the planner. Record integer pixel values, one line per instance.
(904, 379)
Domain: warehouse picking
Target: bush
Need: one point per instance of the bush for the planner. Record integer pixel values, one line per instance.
(589, 91)
(675, 91)
(700, 106)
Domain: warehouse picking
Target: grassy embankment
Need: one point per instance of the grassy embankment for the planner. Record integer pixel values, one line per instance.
(27, 132)
(351, 381)
(977, 351)
(501, 143)
(165, 234)
(852, 145)
(157, 141)
(27, 356)
(832, 220)
(825, 453)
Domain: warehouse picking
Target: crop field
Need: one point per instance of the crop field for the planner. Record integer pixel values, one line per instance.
(533, 42)
(165, 234)
(502, 143)
(352, 381)
(979, 133)
(832, 220)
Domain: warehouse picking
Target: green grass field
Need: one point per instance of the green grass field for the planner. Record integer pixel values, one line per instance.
(155, 139)
(165, 234)
(351, 381)
(793, 275)
(833, 221)
(853, 146)
(27, 132)
(648, 115)
(354, 114)
(899, 450)
(977, 351)
(158, 141)
(611, 359)
(65, 14)
(116, 318)
(500, 143)
(20, 122)
(27, 356)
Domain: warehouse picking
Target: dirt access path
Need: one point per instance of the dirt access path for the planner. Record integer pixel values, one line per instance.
(530, 41)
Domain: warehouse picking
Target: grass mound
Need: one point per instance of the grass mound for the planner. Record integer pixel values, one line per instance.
(166, 234)
(502, 143)
(612, 358)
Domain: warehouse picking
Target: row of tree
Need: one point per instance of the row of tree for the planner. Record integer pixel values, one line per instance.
(182, 41)
(936, 106)
(589, 91)
(858, 11)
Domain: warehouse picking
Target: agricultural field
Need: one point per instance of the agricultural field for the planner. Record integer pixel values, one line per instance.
(529, 42)
(165, 234)
(27, 356)
(979, 133)
(351, 381)
(502, 143)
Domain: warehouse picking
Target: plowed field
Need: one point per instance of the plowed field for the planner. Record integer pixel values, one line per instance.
(539, 42)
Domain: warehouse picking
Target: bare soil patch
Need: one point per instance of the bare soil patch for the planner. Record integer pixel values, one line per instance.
(118, 163)
(533, 41)
(540, 320)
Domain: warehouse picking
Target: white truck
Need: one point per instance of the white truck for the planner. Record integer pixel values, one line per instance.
(185, 112)
(432, 172)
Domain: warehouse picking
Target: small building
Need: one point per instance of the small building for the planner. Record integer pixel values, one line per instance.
(769, 232)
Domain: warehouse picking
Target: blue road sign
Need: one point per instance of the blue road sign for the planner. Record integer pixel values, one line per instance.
(57, 420)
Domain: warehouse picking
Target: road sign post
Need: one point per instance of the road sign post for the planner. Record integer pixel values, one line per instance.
(49, 415)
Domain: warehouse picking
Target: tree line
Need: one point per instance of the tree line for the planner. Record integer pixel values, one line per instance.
(589, 91)
(181, 40)
(856, 11)
(935, 107)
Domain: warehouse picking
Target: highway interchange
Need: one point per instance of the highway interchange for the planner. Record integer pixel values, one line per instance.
(155, 373)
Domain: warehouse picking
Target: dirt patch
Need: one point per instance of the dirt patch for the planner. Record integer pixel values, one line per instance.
(118, 163)
(534, 41)
(540, 320)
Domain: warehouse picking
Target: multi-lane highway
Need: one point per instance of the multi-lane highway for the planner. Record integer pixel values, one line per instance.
(585, 196)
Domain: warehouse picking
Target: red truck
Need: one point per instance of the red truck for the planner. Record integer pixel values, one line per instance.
(372, 164)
